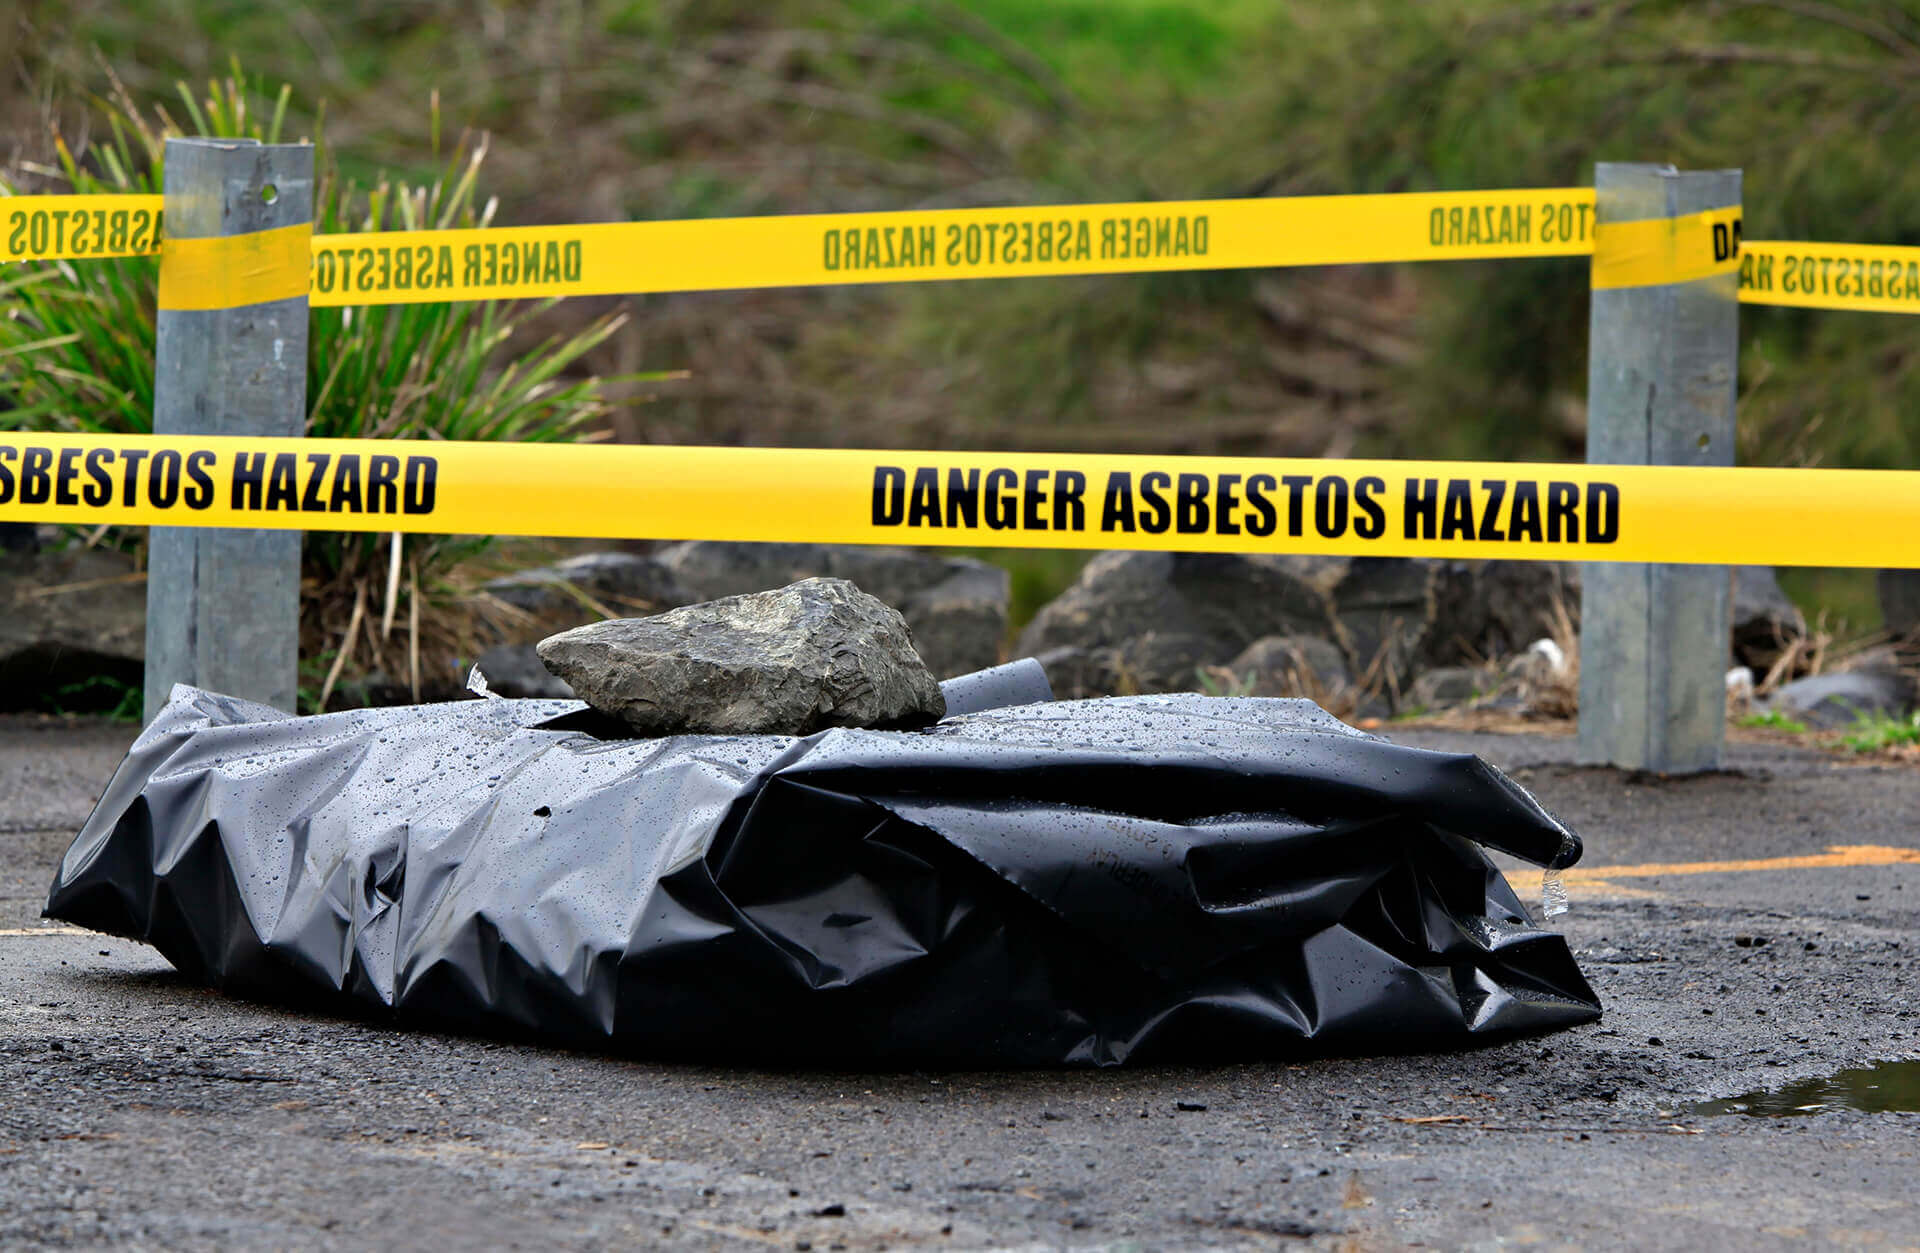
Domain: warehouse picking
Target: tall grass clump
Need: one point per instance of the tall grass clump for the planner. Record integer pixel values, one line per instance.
(77, 354)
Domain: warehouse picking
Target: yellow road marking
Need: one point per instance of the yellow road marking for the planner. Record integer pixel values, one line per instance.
(6, 932)
(1592, 881)
(1836, 855)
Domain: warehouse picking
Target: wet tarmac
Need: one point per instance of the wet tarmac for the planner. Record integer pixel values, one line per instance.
(1752, 933)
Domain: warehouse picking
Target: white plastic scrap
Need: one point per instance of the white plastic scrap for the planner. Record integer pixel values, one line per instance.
(477, 684)
(1553, 889)
(1553, 894)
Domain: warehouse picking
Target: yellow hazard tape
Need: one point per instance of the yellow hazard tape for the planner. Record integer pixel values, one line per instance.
(1830, 276)
(399, 267)
(1725, 516)
(50, 228)
(228, 271)
(1666, 250)
(924, 245)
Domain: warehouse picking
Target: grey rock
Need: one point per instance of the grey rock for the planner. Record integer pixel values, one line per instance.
(516, 670)
(1079, 673)
(1900, 604)
(1765, 623)
(818, 654)
(68, 617)
(1291, 665)
(1838, 700)
(956, 606)
(1489, 609)
(1165, 616)
(627, 584)
(1118, 595)
(1162, 661)
(1399, 616)
(1389, 618)
(1382, 609)
(1446, 686)
(960, 623)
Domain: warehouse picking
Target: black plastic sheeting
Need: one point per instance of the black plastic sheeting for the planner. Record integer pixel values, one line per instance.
(1082, 882)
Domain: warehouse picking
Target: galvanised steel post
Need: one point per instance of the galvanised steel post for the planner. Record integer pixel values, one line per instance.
(1661, 379)
(223, 607)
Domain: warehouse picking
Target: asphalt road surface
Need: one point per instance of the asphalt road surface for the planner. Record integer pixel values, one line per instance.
(1735, 950)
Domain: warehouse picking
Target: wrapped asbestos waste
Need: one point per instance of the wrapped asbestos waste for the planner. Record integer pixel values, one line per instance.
(1080, 882)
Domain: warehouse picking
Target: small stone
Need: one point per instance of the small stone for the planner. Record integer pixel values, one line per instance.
(1448, 686)
(1763, 620)
(1835, 701)
(1291, 665)
(1157, 619)
(820, 653)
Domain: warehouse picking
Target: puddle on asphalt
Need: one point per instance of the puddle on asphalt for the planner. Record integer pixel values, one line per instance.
(1889, 1087)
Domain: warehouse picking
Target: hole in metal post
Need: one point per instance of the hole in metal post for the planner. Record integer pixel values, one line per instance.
(1702, 443)
(269, 194)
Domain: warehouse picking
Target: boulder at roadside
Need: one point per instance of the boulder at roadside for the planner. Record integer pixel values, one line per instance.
(820, 653)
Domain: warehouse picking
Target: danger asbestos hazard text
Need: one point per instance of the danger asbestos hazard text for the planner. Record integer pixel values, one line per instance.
(1328, 506)
(1789, 274)
(1052, 241)
(197, 480)
(1708, 515)
(1470, 226)
(32, 231)
(366, 266)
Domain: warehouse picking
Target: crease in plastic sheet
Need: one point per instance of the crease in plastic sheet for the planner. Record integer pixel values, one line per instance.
(1087, 882)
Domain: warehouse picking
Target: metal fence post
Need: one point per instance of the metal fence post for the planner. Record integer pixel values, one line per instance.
(223, 606)
(1661, 384)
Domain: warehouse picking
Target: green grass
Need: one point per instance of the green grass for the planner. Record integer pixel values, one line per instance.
(77, 340)
(1772, 720)
(1875, 733)
(1232, 685)
(1089, 41)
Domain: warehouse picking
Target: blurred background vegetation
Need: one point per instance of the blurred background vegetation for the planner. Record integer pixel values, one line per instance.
(612, 109)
